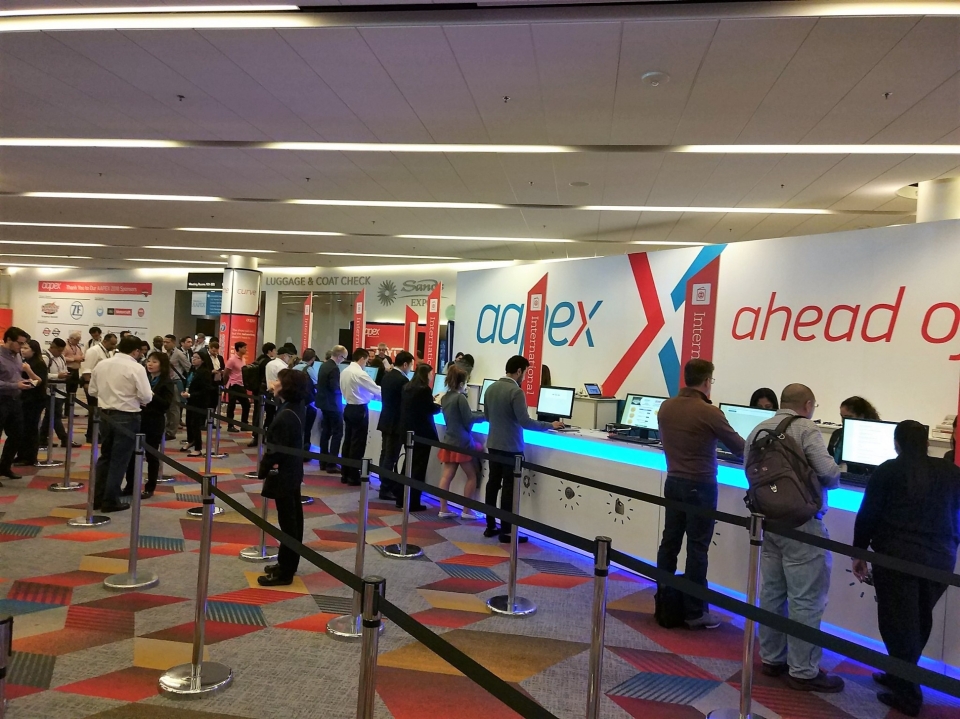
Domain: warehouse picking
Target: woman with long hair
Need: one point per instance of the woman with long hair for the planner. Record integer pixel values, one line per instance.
(283, 473)
(764, 398)
(34, 401)
(851, 408)
(458, 419)
(417, 410)
(911, 511)
(201, 394)
(153, 418)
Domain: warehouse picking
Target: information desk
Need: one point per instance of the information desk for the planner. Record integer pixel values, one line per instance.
(635, 526)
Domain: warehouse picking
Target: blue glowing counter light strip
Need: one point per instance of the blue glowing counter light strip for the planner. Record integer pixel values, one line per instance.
(847, 500)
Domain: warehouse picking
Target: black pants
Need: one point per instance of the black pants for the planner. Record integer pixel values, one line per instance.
(310, 416)
(117, 449)
(698, 530)
(195, 421)
(91, 404)
(11, 423)
(331, 433)
(390, 444)
(356, 422)
(271, 409)
(58, 427)
(290, 520)
(500, 482)
(30, 444)
(235, 398)
(152, 429)
(905, 617)
(421, 460)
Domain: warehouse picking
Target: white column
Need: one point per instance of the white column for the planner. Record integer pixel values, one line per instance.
(242, 262)
(938, 200)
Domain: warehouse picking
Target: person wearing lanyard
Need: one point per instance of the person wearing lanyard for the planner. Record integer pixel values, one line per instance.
(96, 354)
(121, 387)
(73, 354)
(11, 385)
(357, 389)
(56, 372)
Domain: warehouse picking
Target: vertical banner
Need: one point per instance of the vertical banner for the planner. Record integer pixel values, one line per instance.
(307, 331)
(700, 314)
(240, 309)
(433, 327)
(956, 454)
(359, 321)
(410, 323)
(533, 346)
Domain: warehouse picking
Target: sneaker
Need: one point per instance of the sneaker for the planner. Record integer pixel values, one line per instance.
(469, 514)
(823, 683)
(704, 621)
(446, 515)
(774, 670)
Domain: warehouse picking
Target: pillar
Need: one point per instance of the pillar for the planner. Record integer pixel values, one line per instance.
(938, 200)
(240, 307)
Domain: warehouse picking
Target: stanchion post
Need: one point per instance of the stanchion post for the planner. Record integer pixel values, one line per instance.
(601, 568)
(749, 629)
(348, 626)
(67, 486)
(51, 412)
(132, 579)
(207, 466)
(510, 604)
(217, 453)
(404, 550)
(261, 421)
(6, 649)
(90, 519)
(200, 678)
(261, 553)
(373, 589)
(164, 478)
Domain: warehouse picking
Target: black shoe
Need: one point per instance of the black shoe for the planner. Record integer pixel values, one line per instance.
(114, 507)
(823, 683)
(892, 700)
(126, 491)
(353, 482)
(23, 464)
(416, 507)
(505, 539)
(146, 495)
(271, 569)
(491, 532)
(274, 580)
(387, 497)
(10, 474)
(774, 670)
(881, 678)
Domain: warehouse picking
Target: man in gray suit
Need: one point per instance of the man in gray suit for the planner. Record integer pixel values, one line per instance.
(505, 407)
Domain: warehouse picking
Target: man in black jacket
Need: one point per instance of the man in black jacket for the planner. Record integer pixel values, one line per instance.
(389, 425)
(330, 404)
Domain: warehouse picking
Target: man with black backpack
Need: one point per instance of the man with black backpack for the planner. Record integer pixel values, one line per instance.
(267, 354)
(789, 472)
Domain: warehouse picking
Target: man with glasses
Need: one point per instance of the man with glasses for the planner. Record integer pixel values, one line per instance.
(690, 427)
(11, 385)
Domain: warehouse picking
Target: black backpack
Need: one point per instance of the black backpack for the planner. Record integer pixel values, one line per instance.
(254, 375)
(782, 485)
(668, 610)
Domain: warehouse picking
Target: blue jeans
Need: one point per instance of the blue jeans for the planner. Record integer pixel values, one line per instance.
(794, 582)
(698, 531)
(115, 454)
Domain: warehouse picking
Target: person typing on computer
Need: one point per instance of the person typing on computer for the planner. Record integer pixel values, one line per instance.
(690, 427)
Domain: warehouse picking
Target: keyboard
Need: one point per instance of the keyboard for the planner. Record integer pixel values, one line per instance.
(856, 480)
(729, 457)
(568, 428)
(633, 440)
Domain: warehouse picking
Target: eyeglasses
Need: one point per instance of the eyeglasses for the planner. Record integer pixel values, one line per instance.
(712, 380)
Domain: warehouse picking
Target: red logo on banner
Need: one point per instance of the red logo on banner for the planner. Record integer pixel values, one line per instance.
(359, 320)
(410, 323)
(103, 288)
(432, 344)
(700, 314)
(534, 327)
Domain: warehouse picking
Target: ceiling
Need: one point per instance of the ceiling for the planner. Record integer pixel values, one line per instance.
(735, 80)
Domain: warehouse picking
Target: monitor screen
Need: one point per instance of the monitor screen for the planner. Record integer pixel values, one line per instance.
(867, 441)
(556, 400)
(439, 384)
(485, 387)
(593, 390)
(744, 419)
(372, 371)
(641, 411)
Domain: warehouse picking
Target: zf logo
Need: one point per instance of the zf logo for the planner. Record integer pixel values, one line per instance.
(566, 323)
(76, 310)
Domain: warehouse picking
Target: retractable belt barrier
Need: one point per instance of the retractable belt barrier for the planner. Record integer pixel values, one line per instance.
(476, 454)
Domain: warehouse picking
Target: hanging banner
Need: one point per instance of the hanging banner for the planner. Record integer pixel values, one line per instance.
(359, 320)
(411, 321)
(700, 315)
(307, 332)
(64, 307)
(533, 334)
(433, 327)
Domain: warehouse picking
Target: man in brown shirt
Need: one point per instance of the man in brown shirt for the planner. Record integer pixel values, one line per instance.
(690, 427)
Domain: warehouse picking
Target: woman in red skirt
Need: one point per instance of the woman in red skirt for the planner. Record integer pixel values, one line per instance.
(459, 420)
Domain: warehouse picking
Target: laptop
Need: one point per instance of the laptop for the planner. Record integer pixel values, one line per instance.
(594, 391)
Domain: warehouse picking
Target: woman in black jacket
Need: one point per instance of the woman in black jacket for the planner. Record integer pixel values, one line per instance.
(417, 410)
(153, 419)
(201, 394)
(283, 485)
(33, 401)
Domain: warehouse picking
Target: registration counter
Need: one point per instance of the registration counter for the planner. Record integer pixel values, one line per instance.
(635, 526)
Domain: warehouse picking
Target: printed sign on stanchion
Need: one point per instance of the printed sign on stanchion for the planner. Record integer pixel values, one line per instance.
(510, 604)
(89, 519)
(67, 485)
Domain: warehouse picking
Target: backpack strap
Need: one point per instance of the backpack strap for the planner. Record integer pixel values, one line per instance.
(782, 427)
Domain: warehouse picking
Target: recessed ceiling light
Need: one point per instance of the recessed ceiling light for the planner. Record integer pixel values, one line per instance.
(31, 264)
(148, 9)
(206, 249)
(65, 224)
(483, 238)
(62, 257)
(177, 262)
(655, 79)
(52, 244)
(398, 257)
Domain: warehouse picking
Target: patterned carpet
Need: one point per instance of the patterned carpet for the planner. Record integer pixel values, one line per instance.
(83, 651)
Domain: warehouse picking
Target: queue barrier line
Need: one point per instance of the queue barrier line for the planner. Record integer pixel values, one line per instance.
(304, 454)
(790, 627)
(242, 425)
(476, 454)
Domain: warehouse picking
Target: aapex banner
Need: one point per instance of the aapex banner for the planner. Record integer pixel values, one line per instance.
(871, 312)
(65, 306)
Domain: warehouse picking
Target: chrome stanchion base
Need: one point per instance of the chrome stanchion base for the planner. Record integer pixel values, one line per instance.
(347, 628)
(166, 479)
(521, 607)
(57, 487)
(731, 713)
(252, 475)
(306, 500)
(48, 463)
(198, 511)
(126, 581)
(253, 554)
(95, 521)
(220, 455)
(187, 682)
(395, 551)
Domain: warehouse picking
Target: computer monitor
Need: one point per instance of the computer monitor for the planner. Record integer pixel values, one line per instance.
(641, 410)
(439, 384)
(372, 371)
(593, 389)
(743, 419)
(867, 441)
(556, 401)
(484, 387)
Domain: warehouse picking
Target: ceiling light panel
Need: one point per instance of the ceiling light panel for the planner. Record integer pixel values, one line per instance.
(177, 262)
(205, 249)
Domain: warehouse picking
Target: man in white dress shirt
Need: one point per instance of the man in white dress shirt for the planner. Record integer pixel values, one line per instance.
(285, 354)
(96, 353)
(357, 388)
(121, 387)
